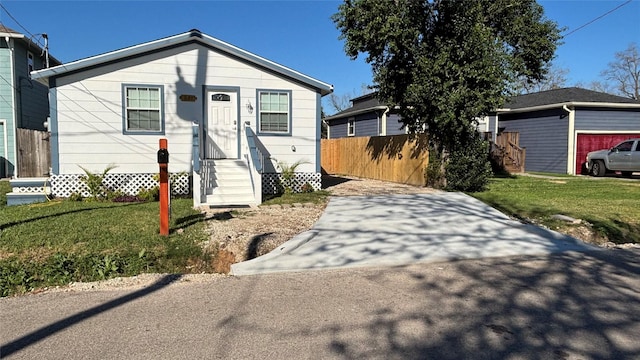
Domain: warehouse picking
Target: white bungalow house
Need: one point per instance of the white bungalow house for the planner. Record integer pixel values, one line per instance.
(229, 116)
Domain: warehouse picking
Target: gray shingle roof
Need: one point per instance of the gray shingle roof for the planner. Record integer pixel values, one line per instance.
(565, 95)
(360, 104)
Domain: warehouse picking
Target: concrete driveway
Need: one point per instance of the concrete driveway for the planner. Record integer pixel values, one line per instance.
(394, 230)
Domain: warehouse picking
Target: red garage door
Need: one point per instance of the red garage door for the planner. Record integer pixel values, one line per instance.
(592, 142)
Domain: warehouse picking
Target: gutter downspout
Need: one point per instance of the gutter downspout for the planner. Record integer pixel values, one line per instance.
(384, 122)
(11, 46)
(571, 150)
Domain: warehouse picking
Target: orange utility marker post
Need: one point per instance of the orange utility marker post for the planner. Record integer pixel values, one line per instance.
(163, 162)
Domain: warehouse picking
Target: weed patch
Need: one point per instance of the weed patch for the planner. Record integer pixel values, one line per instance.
(59, 242)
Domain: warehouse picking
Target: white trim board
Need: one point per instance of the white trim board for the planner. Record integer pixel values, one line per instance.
(3, 122)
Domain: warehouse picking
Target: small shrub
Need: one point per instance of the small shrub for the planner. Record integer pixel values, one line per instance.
(433, 172)
(152, 194)
(288, 175)
(111, 195)
(93, 181)
(468, 168)
(307, 188)
(127, 199)
(75, 196)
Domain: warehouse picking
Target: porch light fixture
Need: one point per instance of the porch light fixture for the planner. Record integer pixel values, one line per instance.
(249, 107)
(293, 148)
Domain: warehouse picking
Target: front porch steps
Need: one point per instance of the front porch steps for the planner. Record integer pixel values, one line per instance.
(28, 190)
(231, 184)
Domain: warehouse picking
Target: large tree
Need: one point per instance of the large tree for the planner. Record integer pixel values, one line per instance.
(446, 62)
(624, 72)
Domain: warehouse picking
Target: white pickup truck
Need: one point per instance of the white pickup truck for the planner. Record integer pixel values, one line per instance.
(624, 157)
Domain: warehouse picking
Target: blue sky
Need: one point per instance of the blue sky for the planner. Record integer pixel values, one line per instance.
(297, 34)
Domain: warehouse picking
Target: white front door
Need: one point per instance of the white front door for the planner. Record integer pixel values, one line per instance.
(222, 125)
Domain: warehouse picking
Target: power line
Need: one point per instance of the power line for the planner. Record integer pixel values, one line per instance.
(598, 18)
(20, 25)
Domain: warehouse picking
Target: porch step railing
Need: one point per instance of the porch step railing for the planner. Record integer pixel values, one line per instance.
(511, 158)
(506, 151)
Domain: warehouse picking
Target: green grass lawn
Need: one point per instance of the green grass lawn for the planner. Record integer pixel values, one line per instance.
(58, 242)
(611, 205)
(315, 197)
(5, 188)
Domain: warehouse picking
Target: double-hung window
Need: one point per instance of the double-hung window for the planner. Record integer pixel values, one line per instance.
(351, 126)
(142, 111)
(274, 114)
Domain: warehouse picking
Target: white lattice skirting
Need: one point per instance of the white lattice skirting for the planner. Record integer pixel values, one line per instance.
(271, 182)
(30, 189)
(66, 184)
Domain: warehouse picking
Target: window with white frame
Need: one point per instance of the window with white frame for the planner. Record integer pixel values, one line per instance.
(143, 109)
(351, 127)
(274, 115)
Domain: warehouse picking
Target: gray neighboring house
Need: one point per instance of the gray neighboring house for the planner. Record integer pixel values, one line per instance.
(559, 127)
(367, 116)
(24, 103)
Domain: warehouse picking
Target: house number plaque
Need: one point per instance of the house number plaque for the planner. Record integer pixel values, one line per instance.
(190, 98)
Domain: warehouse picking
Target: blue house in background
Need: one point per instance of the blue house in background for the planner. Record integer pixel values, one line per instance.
(367, 116)
(559, 127)
(24, 103)
(556, 127)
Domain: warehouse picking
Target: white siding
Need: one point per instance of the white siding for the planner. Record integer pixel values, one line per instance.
(90, 110)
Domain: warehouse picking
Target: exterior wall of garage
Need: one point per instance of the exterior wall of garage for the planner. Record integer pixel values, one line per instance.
(621, 120)
(602, 128)
(545, 136)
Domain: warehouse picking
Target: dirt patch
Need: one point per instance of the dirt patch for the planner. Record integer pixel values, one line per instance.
(243, 234)
(584, 232)
(349, 186)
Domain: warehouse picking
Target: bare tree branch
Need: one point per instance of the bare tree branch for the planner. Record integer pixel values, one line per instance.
(339, 102)
(555, 78)
(624, 72)
(596, 86)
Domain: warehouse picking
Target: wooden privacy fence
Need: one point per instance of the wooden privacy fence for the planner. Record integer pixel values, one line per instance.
(397, 158)
(34, 156)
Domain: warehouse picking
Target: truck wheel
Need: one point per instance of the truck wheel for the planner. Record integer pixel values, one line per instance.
(598, 169)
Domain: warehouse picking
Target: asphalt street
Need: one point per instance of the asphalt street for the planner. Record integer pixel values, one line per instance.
(572, 305)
